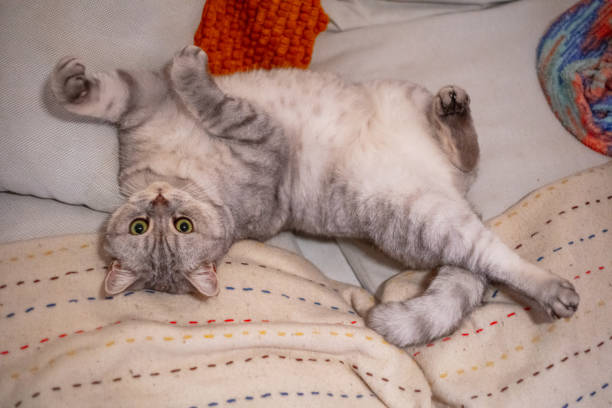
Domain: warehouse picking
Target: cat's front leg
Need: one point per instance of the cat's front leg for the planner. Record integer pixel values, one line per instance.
(102, 95)
(224, 116)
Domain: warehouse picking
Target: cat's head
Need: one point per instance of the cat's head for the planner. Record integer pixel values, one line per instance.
(164, 239)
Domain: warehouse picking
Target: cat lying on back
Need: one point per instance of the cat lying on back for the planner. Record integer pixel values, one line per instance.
(209, 161)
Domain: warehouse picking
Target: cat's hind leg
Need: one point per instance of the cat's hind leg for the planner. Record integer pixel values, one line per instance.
(451, 120)
(452, 294)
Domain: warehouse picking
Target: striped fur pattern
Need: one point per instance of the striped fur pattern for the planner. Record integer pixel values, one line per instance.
(251, 154)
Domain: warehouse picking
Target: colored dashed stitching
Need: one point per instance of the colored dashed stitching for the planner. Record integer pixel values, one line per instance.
(284, 395)
(177, 370)
(547, 368)
(284, 295)
(572, 208)
(570, 243)
(87, 299)
(47, 252)
(52, 278)
(590, 394)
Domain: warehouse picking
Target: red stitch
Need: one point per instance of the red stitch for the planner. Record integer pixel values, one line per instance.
(504, 389)
(354, 321)
(550, 366)
(44, 340)
(265, 321)
(385, 379)
(520, 381)
(369, 374)
(577, 277)
(20, 283)
(99, 328)
(600, 344)
(401, 388)
(299, 359)
(5, 352)
(493, 323)
(61, 336)
(588, 272)
(562, 212)
(548, 222)
(3, 286)
(266, 356)
(601, 268)
(489, 395)
(193, 322)
(574, 207)
(229, 362)
(465, 334)
(587, 350)
(417, 390)
(534, 234)
(79, 332)
(172, 322)
(228, 320)
(430, 345)
(212, 365)
(71, 272)
(416, 354)
(76, 385)
(576, 353)
(211, 321)
(176, 370)
(312, 359)
(24, 347)
(518, 246)
(527, 308)
(282, 357)
(56, 388)
(446, 339)
(247, 320)
(511, 314)
(193, 368)
(117, 379)
(564, 359)
(479, 330)
(355, 367)
(536, 374)
(134, 376)
(474, 396)
(154, 374)
(54, 278)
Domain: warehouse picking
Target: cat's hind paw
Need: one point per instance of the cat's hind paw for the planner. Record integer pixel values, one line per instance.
(397, 324)
(559, 299)
(451, 100)
(69, 83)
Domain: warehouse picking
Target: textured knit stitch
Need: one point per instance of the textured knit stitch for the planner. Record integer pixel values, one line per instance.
(242, 35)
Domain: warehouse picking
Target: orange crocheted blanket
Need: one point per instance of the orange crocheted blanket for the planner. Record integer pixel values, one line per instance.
(240, 35)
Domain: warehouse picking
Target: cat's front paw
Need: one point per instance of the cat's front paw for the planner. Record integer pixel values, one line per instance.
(451, 100)
(189, 65)
(69, 83)
(559, 298)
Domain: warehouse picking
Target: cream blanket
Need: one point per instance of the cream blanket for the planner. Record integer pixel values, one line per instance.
(281, 334)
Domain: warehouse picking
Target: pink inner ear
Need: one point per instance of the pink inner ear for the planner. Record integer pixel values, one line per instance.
(117, 280)
(204, 279)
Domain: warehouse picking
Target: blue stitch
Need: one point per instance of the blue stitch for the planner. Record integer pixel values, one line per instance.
(315, 392)
(128, 293)
(29, 309)
(300, 394)
(231, 400)
(557, 249)
(265, 291)
(565, 406)
(359, 396)
(266, 395)
(10, 315)
(579, 399)
(329, 394)
(593, 393)
(591, 236)
(51, 305)
(229, 288)
(212, 404)
(604, 230)
(344, 396)
(540, 258)
(334, 308)
(73, 301)
(581, 239)
(302, 299)
(351, 312)
(285, 296)
(571, 243)
(495, 293)
(149, 291)
(248, 398)
(604, 386)
(91, 298)
(109, 298)
(247, 289)
(284, 394)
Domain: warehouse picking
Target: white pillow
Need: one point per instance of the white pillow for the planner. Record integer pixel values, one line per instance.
(43, 151)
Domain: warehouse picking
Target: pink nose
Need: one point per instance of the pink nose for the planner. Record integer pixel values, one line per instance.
(160, 200)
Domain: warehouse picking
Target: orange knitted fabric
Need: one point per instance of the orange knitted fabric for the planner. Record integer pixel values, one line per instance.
(240, 35)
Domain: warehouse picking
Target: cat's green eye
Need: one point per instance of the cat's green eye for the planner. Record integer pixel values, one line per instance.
(139, 226)
(183, 225)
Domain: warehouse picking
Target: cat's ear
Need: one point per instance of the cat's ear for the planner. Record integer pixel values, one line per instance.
(117, 280)
(204, 279)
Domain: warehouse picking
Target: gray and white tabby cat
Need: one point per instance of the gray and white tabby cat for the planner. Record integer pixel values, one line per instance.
(209, 161)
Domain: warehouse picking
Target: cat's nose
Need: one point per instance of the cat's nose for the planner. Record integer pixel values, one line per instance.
(159, 200)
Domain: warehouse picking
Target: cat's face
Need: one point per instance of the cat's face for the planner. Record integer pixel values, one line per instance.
(164, 239)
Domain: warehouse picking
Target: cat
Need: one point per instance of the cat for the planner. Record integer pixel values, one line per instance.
(208, 161)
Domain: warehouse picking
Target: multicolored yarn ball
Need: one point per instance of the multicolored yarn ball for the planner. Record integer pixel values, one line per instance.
(240, 35)
(574, 64)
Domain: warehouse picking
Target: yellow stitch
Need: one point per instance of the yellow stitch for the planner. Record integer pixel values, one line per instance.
(369, 338)
(349, 334)
(551, 188)
(130, 340)
(333, 333)
(110, 343)
(384, 341)
(63, 249)
(567, 319)
(551, 328)
(149, 338)
(51, 362)
(15, 375)
(538, 195)
(14, 259)
(518, 348)
(245, 333)
(316, 332)
(504, 356)
(564, 181)
(490, 364)
(281, 333)
(228, 335)
(601, 303)
(187, 337)
(168, 338)
(498, 223)
(48, 253)
(298, 334)
(474, 368)
(262, 332)
(209, 336)
(71, 353)
(84, 246)
(525, 204)
(34, 369)
(30, 256)
(512, 214)
(443, 375)
(460, 371)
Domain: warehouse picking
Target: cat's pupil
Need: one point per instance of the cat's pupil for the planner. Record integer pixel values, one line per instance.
(184, 227)
(139, 228)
